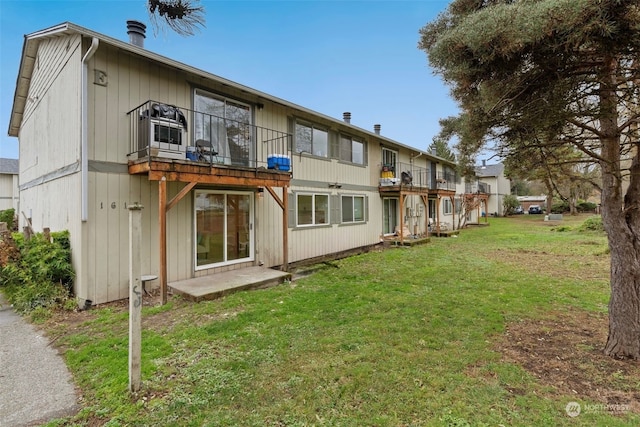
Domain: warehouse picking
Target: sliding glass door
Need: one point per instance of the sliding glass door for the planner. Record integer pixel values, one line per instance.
(223, 228)
(224, 126)
(389, 215)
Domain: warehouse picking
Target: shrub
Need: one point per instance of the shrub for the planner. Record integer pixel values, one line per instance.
(510, 203)
(9, 216)
(560, 207)
(43, 274)
(586, 207)
(562, 228)
(9, 251)
(593, 223)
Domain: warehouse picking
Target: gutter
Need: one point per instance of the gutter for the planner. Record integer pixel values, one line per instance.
(84, 144)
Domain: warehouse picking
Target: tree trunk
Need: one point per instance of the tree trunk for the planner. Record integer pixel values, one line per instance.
(624, 242)
(573, 199)
(622, 224)
(549, 202)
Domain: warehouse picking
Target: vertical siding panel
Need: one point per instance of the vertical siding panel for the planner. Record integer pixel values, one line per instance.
(98, 125)
(123, 203)
(114, 116)
(112, 242)
(91, 239)
(100, 244)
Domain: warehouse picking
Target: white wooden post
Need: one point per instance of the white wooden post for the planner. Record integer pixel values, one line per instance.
(135, 296)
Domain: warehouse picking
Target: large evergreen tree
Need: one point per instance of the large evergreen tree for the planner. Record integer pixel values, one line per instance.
(562, 72)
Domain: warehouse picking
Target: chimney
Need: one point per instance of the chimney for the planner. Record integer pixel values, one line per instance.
(136, 31)
(484, 164)
(376, 129)
(347, 117)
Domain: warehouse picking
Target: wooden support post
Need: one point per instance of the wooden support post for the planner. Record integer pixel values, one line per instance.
(162, 236)
(425, 202)
(453, 211)
(284, 205)
(135, 296)
(285, 229)
(438, 215)
(402, 218)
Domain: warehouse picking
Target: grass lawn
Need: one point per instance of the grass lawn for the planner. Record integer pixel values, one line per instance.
(502, 325)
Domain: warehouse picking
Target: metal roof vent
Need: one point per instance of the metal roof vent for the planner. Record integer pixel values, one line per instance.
(347, 117)
(376, 129)
(136, 31)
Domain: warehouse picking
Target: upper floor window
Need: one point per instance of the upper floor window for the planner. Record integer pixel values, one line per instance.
(353, 209)
(312, 209)
(389, 160)
(312, 140)
(351, 150)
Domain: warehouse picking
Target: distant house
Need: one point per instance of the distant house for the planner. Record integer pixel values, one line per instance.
(9, 197)
(229, 177)
(499, 186)
(527, 201)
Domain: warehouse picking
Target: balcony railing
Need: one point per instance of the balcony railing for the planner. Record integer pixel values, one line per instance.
(404, 174)
(160, 130)
(445, 181)
(477, 188)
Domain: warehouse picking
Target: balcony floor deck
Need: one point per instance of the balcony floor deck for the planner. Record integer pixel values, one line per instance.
(189, 171)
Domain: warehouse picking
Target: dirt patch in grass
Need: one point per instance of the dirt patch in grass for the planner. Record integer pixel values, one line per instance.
(564, 351)
(564, 266)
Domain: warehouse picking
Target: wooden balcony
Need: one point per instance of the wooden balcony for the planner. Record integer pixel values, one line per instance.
(205, 173)
(179, 144)
(407, 179)
(169, 143)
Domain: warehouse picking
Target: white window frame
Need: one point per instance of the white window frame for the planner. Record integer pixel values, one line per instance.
(314, 220)
(447, 207)
(389, 154)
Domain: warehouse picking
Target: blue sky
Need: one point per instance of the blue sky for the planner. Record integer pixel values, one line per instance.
(325, 55)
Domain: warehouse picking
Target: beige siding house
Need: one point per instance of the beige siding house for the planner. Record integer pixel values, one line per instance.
(9, 196)
(497, 184)
(229, 177)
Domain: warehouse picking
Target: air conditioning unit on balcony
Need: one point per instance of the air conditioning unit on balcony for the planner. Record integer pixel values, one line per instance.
(161, 137)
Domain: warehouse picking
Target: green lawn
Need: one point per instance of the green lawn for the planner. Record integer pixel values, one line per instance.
(402, 337)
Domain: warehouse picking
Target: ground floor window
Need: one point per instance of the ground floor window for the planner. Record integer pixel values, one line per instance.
(223, 227)
(353, 209)
(312, 209)
(447, 207)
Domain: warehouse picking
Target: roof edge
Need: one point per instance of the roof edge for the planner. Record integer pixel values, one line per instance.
(19, 100)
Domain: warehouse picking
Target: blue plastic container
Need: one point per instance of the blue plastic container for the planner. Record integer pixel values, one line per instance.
(279, 162)
(192, 154)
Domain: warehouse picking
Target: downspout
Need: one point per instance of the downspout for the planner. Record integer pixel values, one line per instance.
(84, 155)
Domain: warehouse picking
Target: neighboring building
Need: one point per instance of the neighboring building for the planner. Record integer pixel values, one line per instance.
(527, 201)
(228, 176)
(9, 196)
(499, 186)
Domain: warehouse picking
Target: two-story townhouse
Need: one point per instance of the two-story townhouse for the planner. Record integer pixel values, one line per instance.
(228, 176)
(9, 184)
(497, 184)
